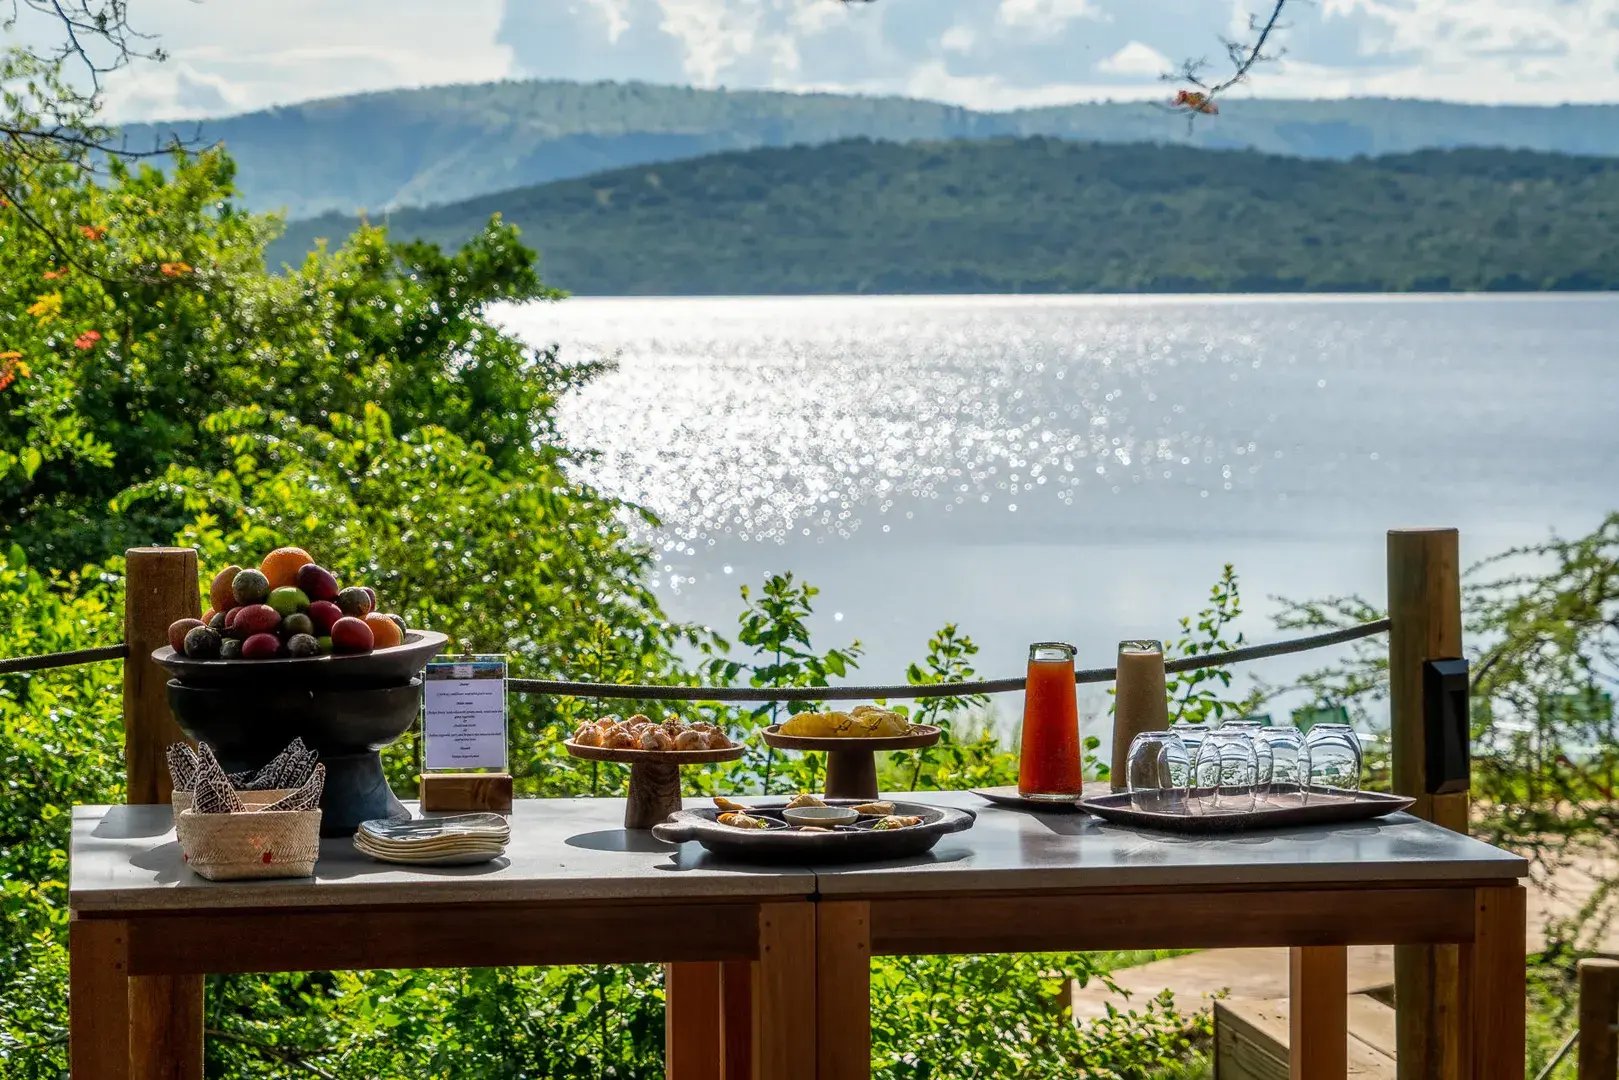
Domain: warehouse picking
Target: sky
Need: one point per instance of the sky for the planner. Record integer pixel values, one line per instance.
(238, 55)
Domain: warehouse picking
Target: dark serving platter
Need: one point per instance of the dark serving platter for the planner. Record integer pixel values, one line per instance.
(1325, 806)
(391, 666)
(848, 843)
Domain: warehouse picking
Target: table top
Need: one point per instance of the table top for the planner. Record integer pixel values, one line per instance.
(1009, 850)
(125, 859)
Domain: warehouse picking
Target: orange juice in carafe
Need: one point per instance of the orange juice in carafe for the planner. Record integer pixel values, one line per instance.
(1049, 762)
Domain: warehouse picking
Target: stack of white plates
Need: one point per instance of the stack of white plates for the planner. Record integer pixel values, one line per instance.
(459, 840)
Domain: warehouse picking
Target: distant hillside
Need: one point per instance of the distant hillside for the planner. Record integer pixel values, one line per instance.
(1048, 215)
(440, 144)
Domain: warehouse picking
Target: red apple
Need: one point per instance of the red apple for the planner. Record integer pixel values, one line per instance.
(324, 613)
(261, 647)
(178, 631)
(257, 619)
(317, 582)
(352, 635)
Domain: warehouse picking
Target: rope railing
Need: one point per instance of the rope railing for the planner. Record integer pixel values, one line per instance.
(664, 692)
(47, 661)
(648, 692)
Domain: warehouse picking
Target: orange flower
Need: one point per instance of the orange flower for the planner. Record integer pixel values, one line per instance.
(174, 269)
(87, 340)
(52, 275)
(12, 367)
(93, 232)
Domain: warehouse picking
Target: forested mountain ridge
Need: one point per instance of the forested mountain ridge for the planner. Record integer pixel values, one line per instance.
(438, 144)
(1051, 215)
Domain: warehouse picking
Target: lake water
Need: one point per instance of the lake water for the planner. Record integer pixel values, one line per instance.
(1080, 468)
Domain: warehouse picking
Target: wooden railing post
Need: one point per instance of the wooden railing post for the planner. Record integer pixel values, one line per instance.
(1599, 1013)
(1425, 612)
(160, 586)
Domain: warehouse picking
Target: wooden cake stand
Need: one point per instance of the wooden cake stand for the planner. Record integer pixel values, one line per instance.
(851, 764)
(654, 777)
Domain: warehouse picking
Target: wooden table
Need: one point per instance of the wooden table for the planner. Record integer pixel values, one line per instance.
(575, 888)
(1021, 882)
(762, 949)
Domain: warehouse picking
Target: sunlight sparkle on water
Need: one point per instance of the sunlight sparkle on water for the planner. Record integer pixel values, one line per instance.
(773, 418)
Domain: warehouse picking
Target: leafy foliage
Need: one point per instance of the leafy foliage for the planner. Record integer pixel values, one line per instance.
(1044, 215)
(361, 405)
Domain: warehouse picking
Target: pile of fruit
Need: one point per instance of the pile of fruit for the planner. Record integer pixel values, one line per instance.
(289, 606)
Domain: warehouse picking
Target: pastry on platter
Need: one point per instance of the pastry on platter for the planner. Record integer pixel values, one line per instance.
(861, 722)
(891, 822)
(803, 799)
(877, 809)
(641, 732)
(743, 821)
(731, 805)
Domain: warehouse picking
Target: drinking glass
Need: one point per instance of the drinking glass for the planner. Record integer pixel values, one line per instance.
(1262, 762)
(1335, 758)
(1284, 765)
(1191, 734)
(1227, 772)
(1159, 772)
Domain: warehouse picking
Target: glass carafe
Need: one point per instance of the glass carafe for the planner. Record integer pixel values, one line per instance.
(1049, 765)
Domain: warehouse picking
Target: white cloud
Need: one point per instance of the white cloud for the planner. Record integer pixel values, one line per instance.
(1136, 59)
(958, 39)
(245, 54)
(616, 12)
(248, 54)
(1047, 16)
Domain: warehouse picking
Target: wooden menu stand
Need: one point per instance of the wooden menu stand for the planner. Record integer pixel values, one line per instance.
(467, 792)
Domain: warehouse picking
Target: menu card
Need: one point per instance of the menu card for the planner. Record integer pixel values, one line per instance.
(464, 714)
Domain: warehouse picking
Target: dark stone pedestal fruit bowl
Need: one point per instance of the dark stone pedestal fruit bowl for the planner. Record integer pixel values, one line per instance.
(345, 708)
(247, 727)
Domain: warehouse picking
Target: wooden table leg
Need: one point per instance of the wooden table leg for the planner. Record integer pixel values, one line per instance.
(843, 989)
(1494, 964)
(784, 1027)
(165, 1023)
(98, 999)
(1318, 979)
(736, 1018)
(691, 1022)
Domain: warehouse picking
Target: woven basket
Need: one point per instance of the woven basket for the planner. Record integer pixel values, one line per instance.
(181, 800)
(257, 844)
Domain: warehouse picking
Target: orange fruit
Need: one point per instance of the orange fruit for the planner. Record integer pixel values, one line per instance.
(281, 566)
(219, 594)
(384, 630)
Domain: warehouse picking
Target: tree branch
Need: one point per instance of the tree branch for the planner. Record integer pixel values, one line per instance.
(298, 1059)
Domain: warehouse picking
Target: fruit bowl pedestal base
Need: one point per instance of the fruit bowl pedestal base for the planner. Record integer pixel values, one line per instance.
(356, 790)
(246, 726)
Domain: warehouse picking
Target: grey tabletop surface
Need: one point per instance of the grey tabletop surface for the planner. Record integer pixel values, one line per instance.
(126, 859)
(1016, 850)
